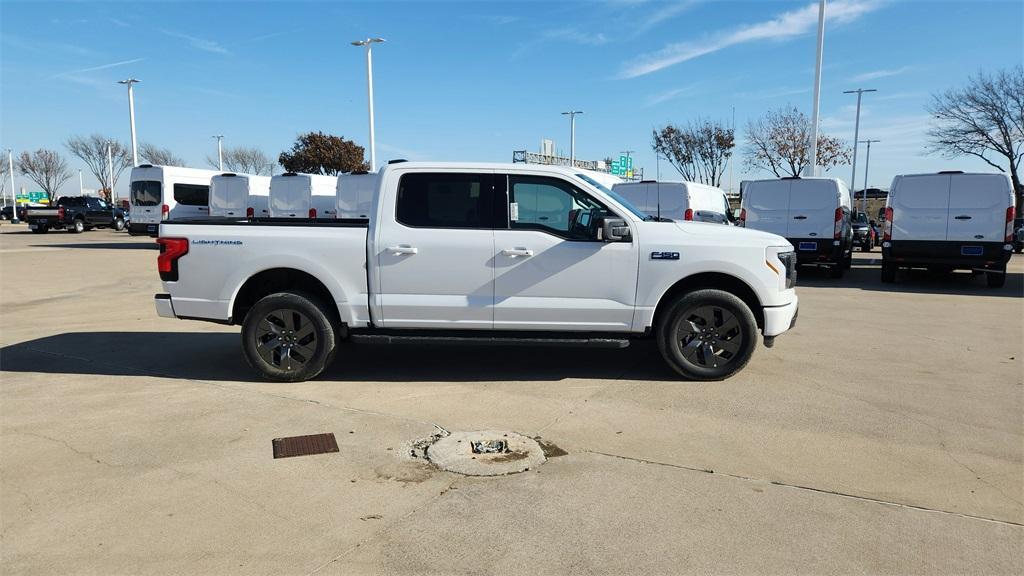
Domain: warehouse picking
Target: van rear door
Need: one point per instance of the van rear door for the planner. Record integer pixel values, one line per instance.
(977, 207)
(812, 208)
(920, 207)
(767, 205)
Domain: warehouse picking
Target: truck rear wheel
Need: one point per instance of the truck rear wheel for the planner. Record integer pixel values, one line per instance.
(707, 335)
(995, 279)
(40, 229)
(888, 273)
(288, 337)
(77, 226)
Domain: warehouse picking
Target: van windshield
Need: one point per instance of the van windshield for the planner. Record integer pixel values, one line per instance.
(146, 192)
(615, 196)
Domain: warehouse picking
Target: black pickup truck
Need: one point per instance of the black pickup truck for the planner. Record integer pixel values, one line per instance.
(76, 214)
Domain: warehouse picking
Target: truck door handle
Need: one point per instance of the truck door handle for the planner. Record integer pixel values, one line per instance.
(403, 249)
(963, 217)
(799, 217)
(513, 252)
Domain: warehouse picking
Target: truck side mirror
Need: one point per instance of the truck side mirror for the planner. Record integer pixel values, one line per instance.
(614, 230)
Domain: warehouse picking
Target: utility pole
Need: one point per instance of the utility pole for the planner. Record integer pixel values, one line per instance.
(812, 166)
(734, 146)
(867, 160)
(220, 152)
(81, 187)
(856, 135)
(368, 43)
(110, 173)
(131, 116)
(10, 169)
(572, 135)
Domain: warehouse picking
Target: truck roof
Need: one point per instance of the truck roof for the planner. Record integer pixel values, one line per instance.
(509, 166)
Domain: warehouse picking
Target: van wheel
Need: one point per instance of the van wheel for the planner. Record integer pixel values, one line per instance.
(995, 279)
(888, 273)
(837, 270)
(707, 335)
(288, 337)
(77, 227)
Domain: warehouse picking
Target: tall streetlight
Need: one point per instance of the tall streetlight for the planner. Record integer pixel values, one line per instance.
(368, 43)
(856, 135)
(131, 116)
(10, 171)
(812, 166)
(110, 173)
(572, 135)
(81, 185)
(220, 152)
(867, 160)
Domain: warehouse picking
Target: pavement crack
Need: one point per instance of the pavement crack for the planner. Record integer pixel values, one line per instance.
(89, 455)
(808, 488)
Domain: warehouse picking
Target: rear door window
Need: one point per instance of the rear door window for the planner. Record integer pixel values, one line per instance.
(445, 200)
(191, 194)
(145, 192)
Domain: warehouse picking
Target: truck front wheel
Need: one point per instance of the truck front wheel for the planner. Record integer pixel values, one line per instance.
(77, 227)
(288, 337)
(707, 335)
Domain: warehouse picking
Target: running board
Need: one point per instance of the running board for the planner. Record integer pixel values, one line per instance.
(491, 341)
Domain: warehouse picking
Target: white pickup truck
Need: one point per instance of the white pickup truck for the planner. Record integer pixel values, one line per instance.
(489, 253)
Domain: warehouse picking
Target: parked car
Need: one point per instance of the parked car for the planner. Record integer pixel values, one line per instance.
(76, 214)
(812, 213)
(7, 213)
(863, 232)
(167, 193)
(496, 253)
(949, 221)
(678, 200)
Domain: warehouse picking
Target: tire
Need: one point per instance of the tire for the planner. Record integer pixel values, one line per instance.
(288, 337)
(848, 263)
(995, 279)
(836, 271)
(118, 224)
(77, 227)
(692, 319)
(888, 273)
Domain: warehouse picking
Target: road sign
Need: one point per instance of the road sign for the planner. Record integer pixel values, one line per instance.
(35, 197)
(616, 167)
(626, 162)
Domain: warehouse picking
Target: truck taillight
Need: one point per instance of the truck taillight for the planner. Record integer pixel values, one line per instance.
(312, 213)
(837, 231)
(171, 249)
(250, 212)
(60, 213)
(1010, 213)
(165, 212)
(743, 217)
(887, 227)
(688, 215)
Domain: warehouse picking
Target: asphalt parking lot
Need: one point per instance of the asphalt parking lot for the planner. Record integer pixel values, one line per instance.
(884, 434)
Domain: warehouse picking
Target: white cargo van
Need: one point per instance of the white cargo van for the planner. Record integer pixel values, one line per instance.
(239, 196)
(948, 221)
(355, 194)
(677, 200)
(167, 193)
(303, 196)
(812, 213)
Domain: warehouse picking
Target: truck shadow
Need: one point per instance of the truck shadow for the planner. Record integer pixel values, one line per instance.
(865, 275)
(216, 356)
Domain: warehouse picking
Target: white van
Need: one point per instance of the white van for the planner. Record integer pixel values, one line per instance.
(166, 193)
(812, 213)
(239, 196)
(948, 221)
(303, 196)
(355, 194)
(677, 200)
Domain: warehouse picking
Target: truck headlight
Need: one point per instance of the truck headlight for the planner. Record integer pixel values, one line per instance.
(784, 264)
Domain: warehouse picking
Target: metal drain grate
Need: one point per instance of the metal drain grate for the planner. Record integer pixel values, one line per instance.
(304, 445)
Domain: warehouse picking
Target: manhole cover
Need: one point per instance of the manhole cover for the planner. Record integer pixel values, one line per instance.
(485, 453)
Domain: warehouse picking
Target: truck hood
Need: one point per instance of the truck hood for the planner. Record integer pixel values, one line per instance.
(731, 235)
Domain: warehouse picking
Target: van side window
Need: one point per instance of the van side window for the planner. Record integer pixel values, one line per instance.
(444, 200)
(554, 205)
(191, 194)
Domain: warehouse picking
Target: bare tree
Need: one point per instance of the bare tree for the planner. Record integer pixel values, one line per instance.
(985, 119)
(158, 156)
(92, 150)
(244, 160)
(47, 168)
(779, 142)
(699, 151)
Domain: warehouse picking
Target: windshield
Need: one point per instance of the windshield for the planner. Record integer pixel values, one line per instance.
(622, 201)
(860, 218)
(146, 192)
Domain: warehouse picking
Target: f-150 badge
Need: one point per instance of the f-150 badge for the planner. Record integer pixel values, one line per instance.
(664, 255)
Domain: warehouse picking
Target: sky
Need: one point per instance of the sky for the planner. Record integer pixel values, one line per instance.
(475, 81)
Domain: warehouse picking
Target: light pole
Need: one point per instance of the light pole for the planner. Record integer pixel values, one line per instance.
(572, 135)
(131, 116)
(369, 42)
(812, 166)
(110, 173)
(867, 160)
(81, 187)
(10, 170)
(856, 135)
(220, 152)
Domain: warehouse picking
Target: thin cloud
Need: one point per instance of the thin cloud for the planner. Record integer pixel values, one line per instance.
(668, 95)
(663, 13)
(270, 35)
(100, 67)
(876, 74)
(576, 36)
(783, 27)
(773, 93)
(199, 43)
